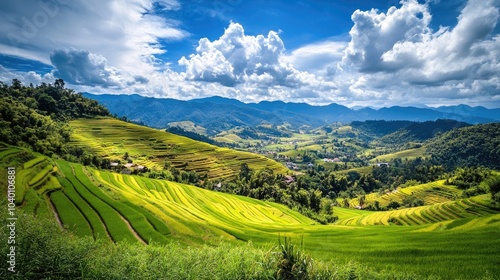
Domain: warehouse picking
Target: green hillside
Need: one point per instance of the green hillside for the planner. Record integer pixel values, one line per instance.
(115, 207)
(477, 145)
(463, 209)
(112, 138)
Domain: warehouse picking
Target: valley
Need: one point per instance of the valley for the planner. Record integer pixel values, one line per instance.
(368, 199)
(110, 206)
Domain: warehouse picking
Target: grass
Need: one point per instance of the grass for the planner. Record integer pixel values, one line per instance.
(430, 193)
(115, 224)
(70, 215)
(151, 148)
(453, 239)
(136, 219)
(406, 154)
(34, 162)
(42, 175)
(98, 228)
(439, 212)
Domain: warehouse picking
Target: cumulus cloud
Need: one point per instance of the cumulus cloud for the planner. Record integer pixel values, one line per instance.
(26, 78)
(315, 58)
(127, 32)
(374, 34)
(398, 51)
(236, 58)
(80, 67)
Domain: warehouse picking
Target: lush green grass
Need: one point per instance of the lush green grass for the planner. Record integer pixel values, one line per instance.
(98, 228)
(439, 212)
(406, 154)
(42, 175)
(429, 193)
(70, 215)
(55, 254)
(112, 138)
(34, 162)
(137, 220)
(197, 212)
(455, 239)
(115, 224)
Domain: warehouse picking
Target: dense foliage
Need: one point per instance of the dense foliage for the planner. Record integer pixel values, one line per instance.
(419, 132)
(471, 146)
(315, 192)
(380, 127)
(36, 116)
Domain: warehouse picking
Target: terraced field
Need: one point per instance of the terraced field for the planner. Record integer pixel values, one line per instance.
(34, 179)
(460, 235)
(406, 154)
(197, 212)
(112, 138)
(435, 213)
(429, 193)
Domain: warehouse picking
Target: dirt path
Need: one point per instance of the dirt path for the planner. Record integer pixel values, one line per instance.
(55, 211)
(133, 230)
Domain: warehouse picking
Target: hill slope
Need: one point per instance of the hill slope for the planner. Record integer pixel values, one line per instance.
(419, 132)
(123, 207)
(112, 138)
(477, 145)
(218, 114)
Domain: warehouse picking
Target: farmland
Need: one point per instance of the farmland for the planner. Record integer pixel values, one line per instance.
(138, 210)
(111, 138)
(429, 193)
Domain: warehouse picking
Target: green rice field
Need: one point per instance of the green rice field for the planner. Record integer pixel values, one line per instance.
(112, 138)
(446, 239)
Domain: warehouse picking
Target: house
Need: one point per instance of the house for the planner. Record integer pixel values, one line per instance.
(129, 165)
(291, 165)
(289, 179)
(140, 168)
(114, 164)
(384, 164)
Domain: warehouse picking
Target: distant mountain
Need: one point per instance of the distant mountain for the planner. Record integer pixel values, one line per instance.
(422, 131)
(218, 113)
(380, 128)
(468, 111)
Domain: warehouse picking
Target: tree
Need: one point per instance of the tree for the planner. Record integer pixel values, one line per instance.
(494, 184)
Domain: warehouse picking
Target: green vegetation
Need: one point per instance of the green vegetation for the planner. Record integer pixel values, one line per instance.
(36, 116)
(419, 132)
(424, 221)
(195, 216)
(111, 138)
(405, 154)
(477, 145)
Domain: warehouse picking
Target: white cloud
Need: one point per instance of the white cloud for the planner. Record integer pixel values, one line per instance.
(126, 32)
(392, 57)
(316, 57)
(397, 53)
(26, 78)
(236, 58)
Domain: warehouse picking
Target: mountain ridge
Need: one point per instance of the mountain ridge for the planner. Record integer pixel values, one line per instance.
(220, 113)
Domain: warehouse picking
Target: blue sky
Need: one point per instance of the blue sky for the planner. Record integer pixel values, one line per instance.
(351, 52)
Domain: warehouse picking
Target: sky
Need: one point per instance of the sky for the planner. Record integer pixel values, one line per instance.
(351, 52)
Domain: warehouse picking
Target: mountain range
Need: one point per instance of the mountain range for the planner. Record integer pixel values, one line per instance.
(217, 113)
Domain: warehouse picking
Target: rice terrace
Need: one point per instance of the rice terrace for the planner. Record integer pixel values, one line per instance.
(267, 140)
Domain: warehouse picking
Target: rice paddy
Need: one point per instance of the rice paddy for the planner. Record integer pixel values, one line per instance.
(455, 239)
(112, 138)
